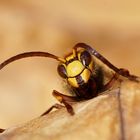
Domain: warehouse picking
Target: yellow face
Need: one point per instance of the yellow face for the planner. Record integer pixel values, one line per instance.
(74, 68)
(77, 69)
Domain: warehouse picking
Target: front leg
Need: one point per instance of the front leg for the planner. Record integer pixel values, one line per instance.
(110, 83)
(64, 99)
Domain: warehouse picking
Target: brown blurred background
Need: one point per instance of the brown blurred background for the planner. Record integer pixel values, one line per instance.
(112, 27)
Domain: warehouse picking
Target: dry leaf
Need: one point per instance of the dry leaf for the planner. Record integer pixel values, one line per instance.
(113, 115)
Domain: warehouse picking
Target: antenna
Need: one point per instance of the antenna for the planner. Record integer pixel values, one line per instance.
(30, 54)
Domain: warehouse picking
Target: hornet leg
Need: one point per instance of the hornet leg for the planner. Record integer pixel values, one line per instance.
(64, 99)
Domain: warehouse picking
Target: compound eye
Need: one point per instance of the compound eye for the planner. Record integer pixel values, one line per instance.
(62, 71)
(85, 58)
